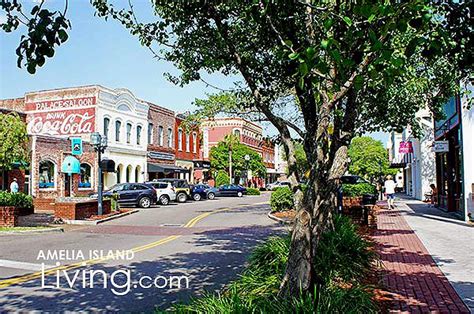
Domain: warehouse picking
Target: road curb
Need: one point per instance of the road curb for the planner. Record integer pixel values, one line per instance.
(279, 220)
(39, 230)
(96, 222)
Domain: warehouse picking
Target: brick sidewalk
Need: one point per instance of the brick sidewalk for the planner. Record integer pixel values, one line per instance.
(415, 282)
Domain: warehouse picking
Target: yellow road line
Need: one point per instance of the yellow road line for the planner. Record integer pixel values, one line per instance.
(36, 275)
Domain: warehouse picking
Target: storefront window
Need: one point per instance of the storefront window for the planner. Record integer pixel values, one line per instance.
(129, 132)
(85, 177)
(46, 174)
(139, 134)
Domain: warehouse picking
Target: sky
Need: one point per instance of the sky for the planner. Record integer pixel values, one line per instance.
(103, 52)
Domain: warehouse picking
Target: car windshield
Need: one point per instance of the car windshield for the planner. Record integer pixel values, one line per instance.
(115, 188)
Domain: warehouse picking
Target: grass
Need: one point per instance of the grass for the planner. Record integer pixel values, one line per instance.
(342, 262)
(13, 229)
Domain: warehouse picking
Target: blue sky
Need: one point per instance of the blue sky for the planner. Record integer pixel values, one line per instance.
(102, 52)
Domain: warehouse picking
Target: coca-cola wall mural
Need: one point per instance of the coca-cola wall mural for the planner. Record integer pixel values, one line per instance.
(61, 117)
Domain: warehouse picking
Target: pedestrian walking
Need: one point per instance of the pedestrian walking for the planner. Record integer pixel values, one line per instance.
(389, 186)
(434, 194)
(14, 186)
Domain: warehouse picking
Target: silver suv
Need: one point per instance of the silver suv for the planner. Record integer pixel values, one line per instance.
(164, 191)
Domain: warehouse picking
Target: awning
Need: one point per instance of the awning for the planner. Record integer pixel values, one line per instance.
(71, 165)
(166, 168)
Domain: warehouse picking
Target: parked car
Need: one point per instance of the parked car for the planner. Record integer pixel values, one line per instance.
(232, 190)
(181, 187)
(139, 194)
(200, 191)
(165, 191)
(277, 184)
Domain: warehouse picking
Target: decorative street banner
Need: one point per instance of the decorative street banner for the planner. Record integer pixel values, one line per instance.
(406, 147)
(76, 146)
(61, 117)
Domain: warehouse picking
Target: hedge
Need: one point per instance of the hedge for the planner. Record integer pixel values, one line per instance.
(253, 191)
(281, 199)
(359, 189)
(19, 200)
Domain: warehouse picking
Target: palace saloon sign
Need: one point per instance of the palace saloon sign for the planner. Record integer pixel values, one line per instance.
(61, 117)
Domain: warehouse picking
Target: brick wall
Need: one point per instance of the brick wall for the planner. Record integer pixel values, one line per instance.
(8, 216)
(78, 211)
(183, 154)
(17, 104)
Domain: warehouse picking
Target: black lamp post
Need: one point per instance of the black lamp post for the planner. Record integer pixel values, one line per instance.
(99, 143)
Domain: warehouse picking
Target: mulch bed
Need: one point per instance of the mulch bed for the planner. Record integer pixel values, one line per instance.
(286, 215)
(114, 213)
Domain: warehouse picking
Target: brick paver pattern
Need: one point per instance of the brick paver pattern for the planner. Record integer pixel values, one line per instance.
(412, 277)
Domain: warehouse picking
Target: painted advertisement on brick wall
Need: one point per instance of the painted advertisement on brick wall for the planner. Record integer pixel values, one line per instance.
(61, 117)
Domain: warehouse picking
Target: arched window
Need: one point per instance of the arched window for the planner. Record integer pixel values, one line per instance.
(160, 135)
(137, 174)
(237, 133)
(106, 126)
(128, 174)
(180, 139)
(119, 173)
(170, 137)
(47, 174)
(194, 142)
(139, 134)
(150, 133)
(187, 142)
(118, 126)
(85, 181)
(129, 132)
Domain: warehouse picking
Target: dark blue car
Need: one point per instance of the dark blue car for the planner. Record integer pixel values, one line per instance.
(232, 190)
(139, 194)
(200, 191)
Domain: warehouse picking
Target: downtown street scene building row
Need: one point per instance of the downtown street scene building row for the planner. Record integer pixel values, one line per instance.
(144, 141)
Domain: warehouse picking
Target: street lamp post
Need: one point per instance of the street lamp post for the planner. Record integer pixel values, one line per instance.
(100, 144)
(247, 159)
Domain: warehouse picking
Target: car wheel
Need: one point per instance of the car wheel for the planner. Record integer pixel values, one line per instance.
(144, 202)
(181, 197)
(240, 194)
(211, 196)
(197, 197)
(164, 200)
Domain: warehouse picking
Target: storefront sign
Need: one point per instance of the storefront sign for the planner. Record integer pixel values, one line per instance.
(202, 164)
(76, 146)
(406, 147)
(441, 146)
(158, 155)
(60, 104)
(66, 122)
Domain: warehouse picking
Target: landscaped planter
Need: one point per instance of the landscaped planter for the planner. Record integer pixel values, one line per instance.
(8, 216)
(348, 202)
(78, 208)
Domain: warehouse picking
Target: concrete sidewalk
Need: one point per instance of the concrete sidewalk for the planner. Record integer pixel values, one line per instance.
(426, 254)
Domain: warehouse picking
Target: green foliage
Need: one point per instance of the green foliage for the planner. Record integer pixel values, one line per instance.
(343, 257)
(19, 200)
(14, 143)
(219, 157)
(359, 189)
(369, 158)
(281, 199)
(253, 191)
(222, 178)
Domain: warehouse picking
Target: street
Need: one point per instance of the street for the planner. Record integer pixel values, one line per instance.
(207, 242)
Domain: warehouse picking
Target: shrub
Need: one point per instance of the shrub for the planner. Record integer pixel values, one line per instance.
(253, 191)
(256, 289)
(281, 199)
(359, 189)
(19, 200)
(222, 178)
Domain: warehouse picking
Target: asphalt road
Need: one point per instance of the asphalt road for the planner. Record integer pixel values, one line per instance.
(198, 245)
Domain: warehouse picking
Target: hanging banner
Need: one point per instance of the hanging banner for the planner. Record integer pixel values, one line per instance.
(76, 146)
(406, 147)
(441, 146)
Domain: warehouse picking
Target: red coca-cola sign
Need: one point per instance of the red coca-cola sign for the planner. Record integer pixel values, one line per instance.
(61, 117)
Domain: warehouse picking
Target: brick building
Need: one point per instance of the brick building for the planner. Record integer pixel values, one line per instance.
(187, 146)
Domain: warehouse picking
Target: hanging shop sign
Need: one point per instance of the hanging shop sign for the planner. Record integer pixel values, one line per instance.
(441, 146)
(76, 146)
(158, 155)
(406, 147)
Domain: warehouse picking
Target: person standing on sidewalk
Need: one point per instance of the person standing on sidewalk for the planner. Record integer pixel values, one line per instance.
(389, 186)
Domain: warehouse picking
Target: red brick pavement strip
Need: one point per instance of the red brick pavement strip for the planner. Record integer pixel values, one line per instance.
(412, 277)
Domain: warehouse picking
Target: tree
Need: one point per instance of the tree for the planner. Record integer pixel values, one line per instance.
(222, 157)
(14, 143)
(222, 178)
(325, 71)
(340, 67)
(369, 158)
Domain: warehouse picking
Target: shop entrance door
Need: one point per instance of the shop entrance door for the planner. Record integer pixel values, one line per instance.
(67, 185)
